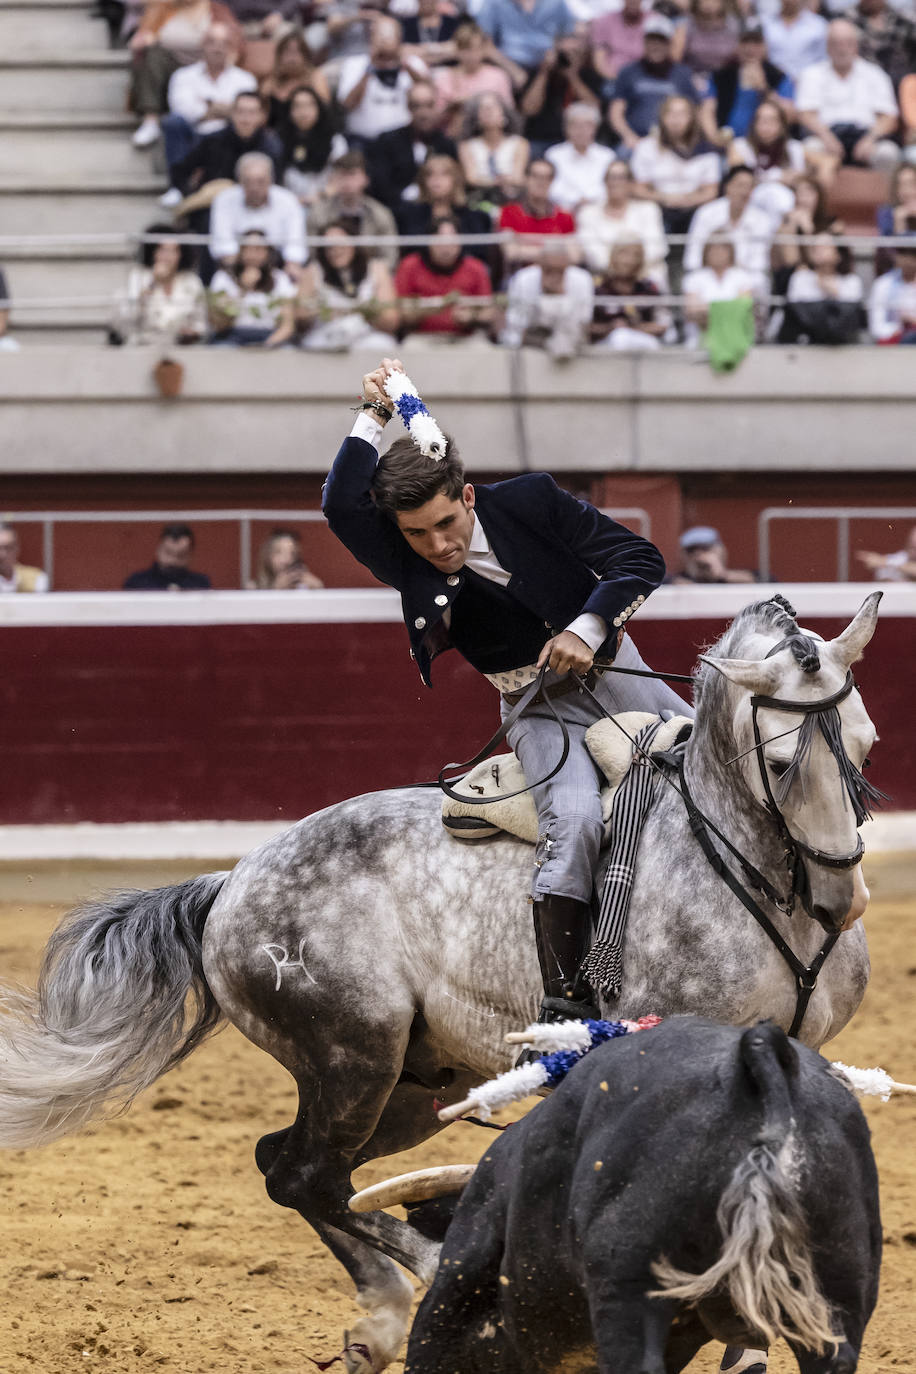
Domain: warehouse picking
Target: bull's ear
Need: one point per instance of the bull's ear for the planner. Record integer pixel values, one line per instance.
(849, 647)
(756, 675)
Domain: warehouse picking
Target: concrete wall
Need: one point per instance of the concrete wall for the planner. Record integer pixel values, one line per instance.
(816, 410)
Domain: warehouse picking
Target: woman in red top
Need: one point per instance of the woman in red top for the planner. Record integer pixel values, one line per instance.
(443, 269)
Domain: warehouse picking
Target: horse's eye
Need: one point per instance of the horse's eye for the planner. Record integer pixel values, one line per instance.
(778, 767)
(866, 764)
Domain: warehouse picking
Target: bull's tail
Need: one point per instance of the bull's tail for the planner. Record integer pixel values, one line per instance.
(765, 1265)
(109, 1014)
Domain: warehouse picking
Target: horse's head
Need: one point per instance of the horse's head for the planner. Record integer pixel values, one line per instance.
(801, 738)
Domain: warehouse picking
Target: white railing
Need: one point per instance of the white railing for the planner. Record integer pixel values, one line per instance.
(839, 515)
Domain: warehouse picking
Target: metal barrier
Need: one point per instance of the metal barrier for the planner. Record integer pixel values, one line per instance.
(840, 514)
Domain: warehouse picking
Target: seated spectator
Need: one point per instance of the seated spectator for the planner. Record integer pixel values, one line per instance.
(347, 298)
(294, 67)
(674, 166)
(580, 163)
(777, 160)
(525, 34)
(738, 88)
(550, 304)
(216, 156)
(375, 89)
(310, 145)
(627, 326)
(718, 278)
(429, 34)
(169, 571)
(441, 188)
(642, 86)
(165, 299)
(443, 269)
(892, 567)
(808, 216)
(397, 156)
(493, 155)
(892, 303)
(16, 576)
(7, 344)
(281, 567)
(891, 218)
(170, 35)
(708, 39)
(749, 229)
(252, 303)
(257, 204)
(565, 77)
(848, 106)
(200, 99)
(342, 29)
(617, 38)
(622, 216)
(267, 18)
(532, 217)
(796, 38)
(474, 73)
(823, 302)
(345, 202)
(886, 36)
(706, 559)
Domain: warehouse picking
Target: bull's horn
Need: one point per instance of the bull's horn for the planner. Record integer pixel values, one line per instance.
(441, 1181)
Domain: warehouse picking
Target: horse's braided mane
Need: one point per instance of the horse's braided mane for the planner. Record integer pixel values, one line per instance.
(775, 614)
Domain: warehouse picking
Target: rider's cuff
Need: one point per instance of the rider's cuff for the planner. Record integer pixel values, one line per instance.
(590, 628)
(365, 426)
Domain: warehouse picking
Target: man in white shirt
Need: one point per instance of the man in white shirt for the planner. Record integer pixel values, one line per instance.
(373, 89)
(795, 38)
(257, 204)
(200, 96)
(748, 228)
(550, 304)
(16, 576)
(848, 105)
(580, 163)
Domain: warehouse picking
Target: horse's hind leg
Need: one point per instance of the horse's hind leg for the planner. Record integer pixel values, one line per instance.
(386, 1294)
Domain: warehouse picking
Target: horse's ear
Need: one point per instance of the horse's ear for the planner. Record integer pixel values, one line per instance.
(756, 675)
(849, 647)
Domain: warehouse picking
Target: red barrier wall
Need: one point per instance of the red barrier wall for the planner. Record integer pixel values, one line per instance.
(262, 722)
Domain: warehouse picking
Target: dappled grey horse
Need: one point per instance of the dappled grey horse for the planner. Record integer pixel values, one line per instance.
(382, 962)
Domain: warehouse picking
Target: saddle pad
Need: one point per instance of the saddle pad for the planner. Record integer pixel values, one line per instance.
(608, 746)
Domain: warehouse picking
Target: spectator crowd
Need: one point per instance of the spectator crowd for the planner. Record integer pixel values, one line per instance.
(625, 150)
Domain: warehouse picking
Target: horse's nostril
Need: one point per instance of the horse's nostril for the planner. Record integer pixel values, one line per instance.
(825, 917)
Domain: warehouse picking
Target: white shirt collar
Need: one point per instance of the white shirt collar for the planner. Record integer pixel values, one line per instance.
(479, 542)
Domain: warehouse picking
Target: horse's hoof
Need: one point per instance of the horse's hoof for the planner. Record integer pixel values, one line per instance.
(738, 1361)
(357, 1357)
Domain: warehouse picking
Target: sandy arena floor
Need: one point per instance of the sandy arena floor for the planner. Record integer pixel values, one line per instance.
(151, 1243)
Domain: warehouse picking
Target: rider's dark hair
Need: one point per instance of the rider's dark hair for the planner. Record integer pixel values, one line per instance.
(405, 479)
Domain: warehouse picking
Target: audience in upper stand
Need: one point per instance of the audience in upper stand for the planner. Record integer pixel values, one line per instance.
(374, 89)
(626, 325)
(256, 203)
(580, 162)
(443, 269)
(170, 571)
(294, 67)
(708, 39)
(165, 301)
(892, 218)
(885, 36)
(399, 153)
(748, 229)
(706, 559)
(347, 30)
(310, 144)
(442, 195)
(346, 298)
(892, 303)
(474, 73)
(777, 160)
(622, 216)
(429, 33)
(675, 166)
(565, 77)
(493, 154)
(200, 98)
(216, 156)
(718, 278)
(280, 565)
(526, 32)
(738, 88)
(345, 202)
(15, 576)
(550, 304)
(808, 216)
(617, 39)
(252, 302)
(266, 18)
(848, 105)
(795, 38)
(642, 86)
(171, 35)
(822, 278)
(533, 217)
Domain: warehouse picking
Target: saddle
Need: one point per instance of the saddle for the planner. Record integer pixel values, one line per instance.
(612, 751)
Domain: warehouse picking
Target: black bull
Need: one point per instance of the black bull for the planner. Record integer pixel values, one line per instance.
(738, 1156)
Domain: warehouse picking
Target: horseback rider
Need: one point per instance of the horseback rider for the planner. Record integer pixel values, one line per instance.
(514, 575)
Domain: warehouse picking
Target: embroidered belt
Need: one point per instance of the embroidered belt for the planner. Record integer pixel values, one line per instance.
(568, 684)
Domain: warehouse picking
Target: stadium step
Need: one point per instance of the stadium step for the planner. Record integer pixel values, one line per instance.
(73, 81)
(41, 278)
(38, 28)
(71, 147)
(123, 208)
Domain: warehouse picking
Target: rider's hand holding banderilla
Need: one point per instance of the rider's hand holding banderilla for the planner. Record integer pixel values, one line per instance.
(567, 653)
(374, 384)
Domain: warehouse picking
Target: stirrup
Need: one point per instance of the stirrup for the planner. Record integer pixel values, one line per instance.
(567, 1009)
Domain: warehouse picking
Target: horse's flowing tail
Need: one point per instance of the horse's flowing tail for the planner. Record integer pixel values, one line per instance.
(765, 1265)
(109, 1015)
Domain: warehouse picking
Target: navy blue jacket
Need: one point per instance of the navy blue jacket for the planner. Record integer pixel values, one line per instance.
(565, 557)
